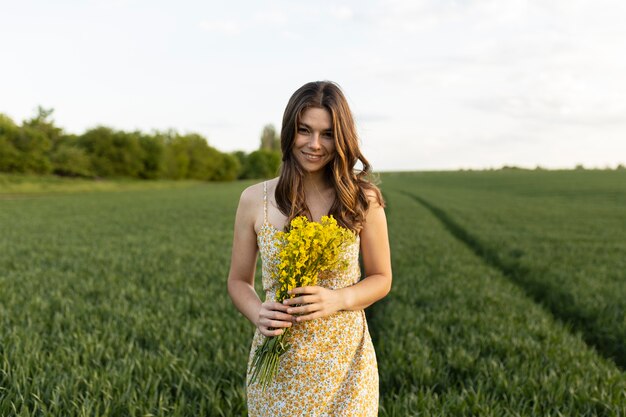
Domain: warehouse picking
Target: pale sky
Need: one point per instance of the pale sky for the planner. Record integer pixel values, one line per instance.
(434, 84)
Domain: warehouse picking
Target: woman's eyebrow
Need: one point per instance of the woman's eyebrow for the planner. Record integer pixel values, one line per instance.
(309, 127)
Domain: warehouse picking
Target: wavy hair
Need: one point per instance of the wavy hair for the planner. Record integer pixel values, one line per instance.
(351, 202)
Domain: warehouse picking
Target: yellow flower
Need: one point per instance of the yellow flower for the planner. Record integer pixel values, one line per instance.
(309, 248)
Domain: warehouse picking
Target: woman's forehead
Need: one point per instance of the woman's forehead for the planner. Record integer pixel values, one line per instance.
(316, 117)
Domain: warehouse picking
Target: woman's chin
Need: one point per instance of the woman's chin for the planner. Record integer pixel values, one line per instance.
(313, 167)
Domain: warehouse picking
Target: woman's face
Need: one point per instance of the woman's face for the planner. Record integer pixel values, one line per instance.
(314, 144)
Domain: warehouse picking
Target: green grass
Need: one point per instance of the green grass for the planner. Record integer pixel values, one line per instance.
(115, 303)
(457, 338)
(14, 186)
(559, 235)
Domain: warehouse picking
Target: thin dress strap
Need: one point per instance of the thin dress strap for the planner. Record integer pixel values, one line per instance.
(265, 202)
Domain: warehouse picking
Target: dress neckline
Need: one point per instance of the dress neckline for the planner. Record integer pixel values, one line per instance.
(266, 222)
(276, 230)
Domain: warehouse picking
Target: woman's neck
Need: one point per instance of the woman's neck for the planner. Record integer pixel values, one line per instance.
(319, 195)
(315, 182)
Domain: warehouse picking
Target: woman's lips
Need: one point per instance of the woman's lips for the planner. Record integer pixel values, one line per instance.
(312, 157)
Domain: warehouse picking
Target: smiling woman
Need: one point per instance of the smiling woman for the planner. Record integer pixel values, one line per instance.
(330, 367)
(314, 145)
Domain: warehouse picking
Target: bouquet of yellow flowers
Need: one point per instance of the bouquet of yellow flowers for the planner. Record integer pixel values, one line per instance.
(307, 249)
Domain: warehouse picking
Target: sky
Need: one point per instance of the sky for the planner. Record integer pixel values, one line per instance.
(433, 84)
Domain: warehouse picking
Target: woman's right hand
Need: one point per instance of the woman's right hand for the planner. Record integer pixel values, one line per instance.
(273, 318)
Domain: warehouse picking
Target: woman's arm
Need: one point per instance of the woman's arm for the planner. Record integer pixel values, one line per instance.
(242, 267)
(375, 250)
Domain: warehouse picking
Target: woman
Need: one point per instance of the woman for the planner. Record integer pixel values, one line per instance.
(330, 368)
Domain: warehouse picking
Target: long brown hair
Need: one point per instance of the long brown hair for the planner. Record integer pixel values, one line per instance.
(351, 202)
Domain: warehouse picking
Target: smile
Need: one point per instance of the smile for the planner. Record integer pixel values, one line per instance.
(312, 157)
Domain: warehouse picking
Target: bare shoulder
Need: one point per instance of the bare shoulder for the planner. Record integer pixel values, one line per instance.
(251, 202)
(254, 193)
(251, 194)
(271, 185)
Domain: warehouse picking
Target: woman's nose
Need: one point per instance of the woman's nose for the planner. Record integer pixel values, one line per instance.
(314, 143)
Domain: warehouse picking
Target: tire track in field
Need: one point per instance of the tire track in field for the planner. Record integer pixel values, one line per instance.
(536, 289)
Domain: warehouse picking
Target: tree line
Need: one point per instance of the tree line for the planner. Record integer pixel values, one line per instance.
(37, 146)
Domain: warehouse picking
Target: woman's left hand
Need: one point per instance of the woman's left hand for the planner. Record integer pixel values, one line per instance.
(315, 302)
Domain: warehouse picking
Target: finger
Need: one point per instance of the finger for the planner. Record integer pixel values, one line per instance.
(281, 316)
(309, 308)
(271, 333)
(270, 320)
(276, 323)
(308, 317)
(307, 299)
(272, 305)
(310, 289)
(275, 314)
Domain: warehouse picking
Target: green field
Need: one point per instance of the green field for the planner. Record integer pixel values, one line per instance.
(507, 300)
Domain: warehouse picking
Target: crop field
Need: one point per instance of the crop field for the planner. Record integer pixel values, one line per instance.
(508, 299)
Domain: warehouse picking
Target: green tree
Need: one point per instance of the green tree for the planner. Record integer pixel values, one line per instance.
(42, 121)
(38, 146)
(190, 156)
(203, 159)
(113, 153)
(70, 160)
(241, 157)
(34, 145)
(153, 161)
(175, 156)
(10, 160)
(228, 169)
(30, 144)
(270, 141)
(261, 164)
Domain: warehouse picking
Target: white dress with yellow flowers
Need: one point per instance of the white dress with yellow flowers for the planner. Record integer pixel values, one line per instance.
(330, 368)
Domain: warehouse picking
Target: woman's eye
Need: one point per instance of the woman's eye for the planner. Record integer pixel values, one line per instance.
(328, 135)
(302, 130)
